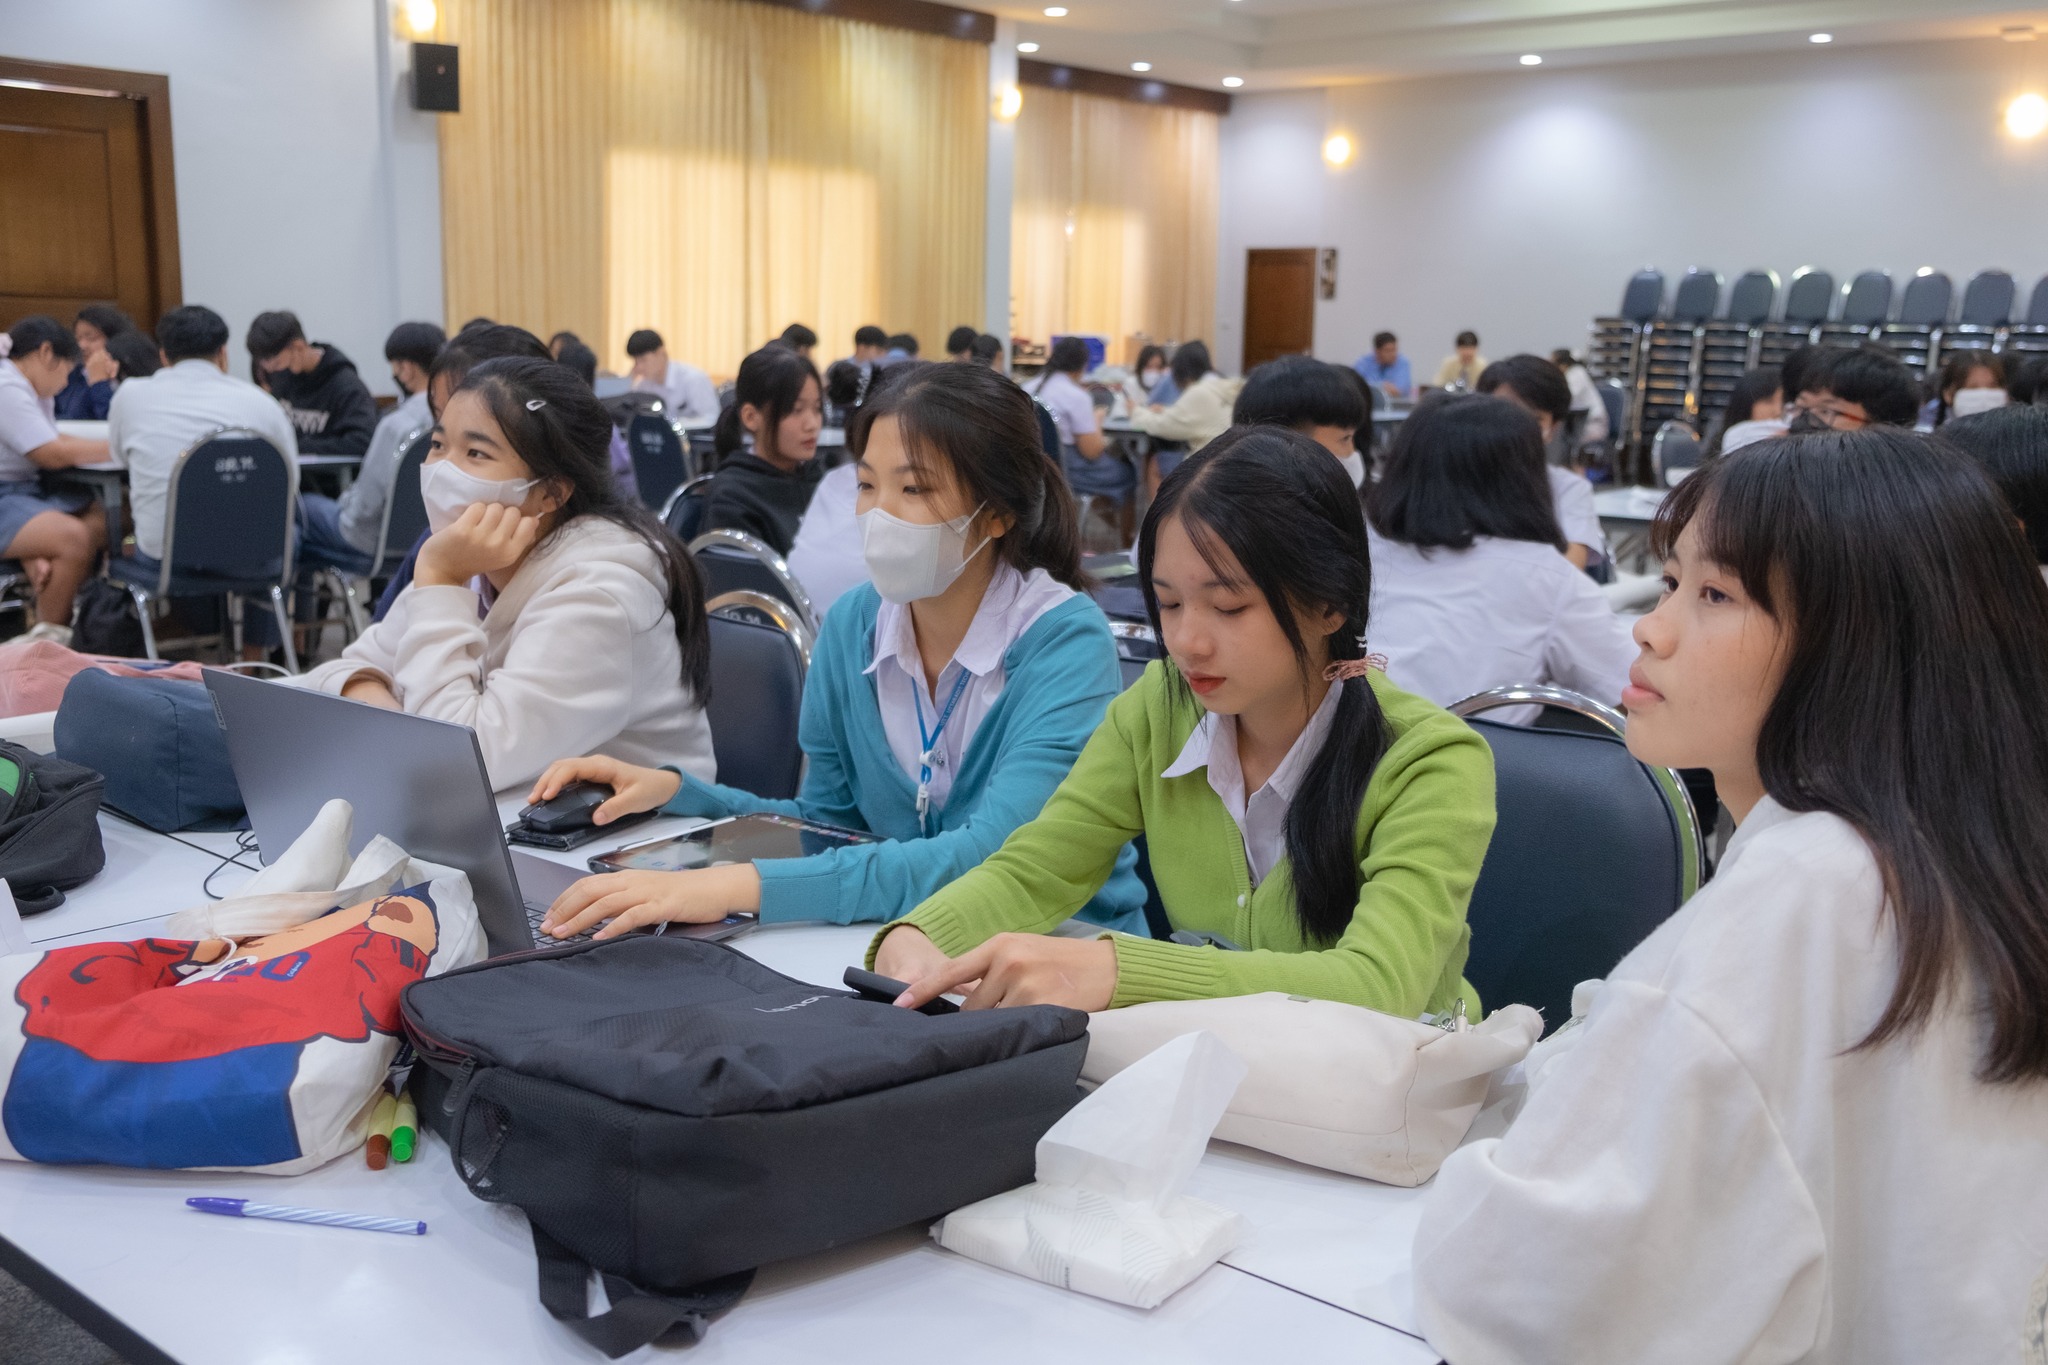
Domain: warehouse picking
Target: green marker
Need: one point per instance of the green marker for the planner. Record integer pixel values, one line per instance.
(405, 1132)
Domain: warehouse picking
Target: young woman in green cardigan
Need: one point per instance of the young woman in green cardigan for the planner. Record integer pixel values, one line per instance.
(1297, 805)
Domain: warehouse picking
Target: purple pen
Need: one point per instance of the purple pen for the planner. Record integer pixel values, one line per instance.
(285, 1213)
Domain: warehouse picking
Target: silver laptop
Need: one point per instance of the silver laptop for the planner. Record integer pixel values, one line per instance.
(420, 782)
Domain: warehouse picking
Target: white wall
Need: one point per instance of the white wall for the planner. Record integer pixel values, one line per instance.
(305, 179)
(1518, 204)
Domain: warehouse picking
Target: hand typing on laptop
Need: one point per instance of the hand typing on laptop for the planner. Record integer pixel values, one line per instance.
(624, 901)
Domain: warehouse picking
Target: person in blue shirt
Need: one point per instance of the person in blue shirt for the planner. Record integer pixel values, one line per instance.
(1386, 368)
(89, 391)
(946, 700)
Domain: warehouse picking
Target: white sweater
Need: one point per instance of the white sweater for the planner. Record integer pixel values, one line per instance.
(1705, 1173)
(577, 655)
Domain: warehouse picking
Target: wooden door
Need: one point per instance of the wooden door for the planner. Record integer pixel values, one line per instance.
(1279, 303)
(82, 195)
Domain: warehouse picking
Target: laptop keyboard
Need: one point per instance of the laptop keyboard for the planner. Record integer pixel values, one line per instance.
(535, 913)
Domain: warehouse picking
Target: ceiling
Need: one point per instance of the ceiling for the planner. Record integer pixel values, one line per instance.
(1278, 44)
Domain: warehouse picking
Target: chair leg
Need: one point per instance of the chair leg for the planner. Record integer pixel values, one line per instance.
(352, 606)
(233, 606)
(284, 627)
(141, 601)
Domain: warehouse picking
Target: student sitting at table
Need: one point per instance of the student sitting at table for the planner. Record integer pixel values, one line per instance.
(545, 612)
(90, 386)
(767, 444)
(151, 425)
(346, 528)
(1385, 368)
(1849, 388)
(973, 645)
(1145, 376)
(1315, 398)
(326, 399)
(1537, 386)
(1469, 588)
(135, 356)
(1198, 414)
(56, 534)
(1803, 1120)
(1297, 804)
(685, 391)
(1755, 411)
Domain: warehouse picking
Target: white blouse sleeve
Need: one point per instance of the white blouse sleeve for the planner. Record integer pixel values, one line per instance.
(1590, 647)
(1642, 1207)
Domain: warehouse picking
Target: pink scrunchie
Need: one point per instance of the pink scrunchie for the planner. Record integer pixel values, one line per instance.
(1345, 669)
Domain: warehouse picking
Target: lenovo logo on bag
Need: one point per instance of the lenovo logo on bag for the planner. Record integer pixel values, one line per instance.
(785, 1009)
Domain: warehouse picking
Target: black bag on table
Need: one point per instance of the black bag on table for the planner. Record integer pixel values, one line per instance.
(673, 1114)
(49, 827)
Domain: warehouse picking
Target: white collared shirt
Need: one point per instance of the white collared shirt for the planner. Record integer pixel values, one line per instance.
(1010, 606)
(826, 556)
(1261, 816)
(685, 391)
(153, 421)
(27, 422)
(1455, 622)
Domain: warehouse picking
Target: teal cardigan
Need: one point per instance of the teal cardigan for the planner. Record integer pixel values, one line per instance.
(1059, 678)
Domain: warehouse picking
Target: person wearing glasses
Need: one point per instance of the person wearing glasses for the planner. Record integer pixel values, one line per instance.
(1854, 389)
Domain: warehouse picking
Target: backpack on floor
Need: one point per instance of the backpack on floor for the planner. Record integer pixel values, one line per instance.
(673, 1114)
(49, 827)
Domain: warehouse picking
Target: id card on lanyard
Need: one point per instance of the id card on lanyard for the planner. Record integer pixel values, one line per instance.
(928, 746)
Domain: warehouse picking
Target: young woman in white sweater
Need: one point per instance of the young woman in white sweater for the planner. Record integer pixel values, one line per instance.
(545, 612)
(1807, 1119)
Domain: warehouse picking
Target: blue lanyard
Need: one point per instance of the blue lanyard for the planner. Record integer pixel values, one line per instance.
(929, 741)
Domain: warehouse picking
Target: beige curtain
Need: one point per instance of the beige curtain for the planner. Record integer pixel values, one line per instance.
(713, 169)
(1114, 221)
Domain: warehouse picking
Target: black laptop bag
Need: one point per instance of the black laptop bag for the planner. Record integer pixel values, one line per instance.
(673, 1114)
(49, 827)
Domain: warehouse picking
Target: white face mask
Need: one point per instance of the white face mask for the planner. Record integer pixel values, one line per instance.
(1969, 402)
(909, 562)
(448, 491)
(1150, 379)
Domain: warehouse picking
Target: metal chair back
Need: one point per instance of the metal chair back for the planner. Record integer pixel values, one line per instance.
(1591, 851)
(405, 510)
(1674, 453)
(1810, 296)
(1754, 294)
(733, 561)
(685, 510)
(1643, 299)
(228, 516)
(1867, 299)
(1988, 299)
(1926, 300)
(659, 465)
(1698, 295)
(757, 689)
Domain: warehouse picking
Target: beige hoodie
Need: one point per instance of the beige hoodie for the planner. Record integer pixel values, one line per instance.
(577, 655)
(1198, 416)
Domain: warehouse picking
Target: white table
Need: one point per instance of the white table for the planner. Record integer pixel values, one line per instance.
(1323, 1257)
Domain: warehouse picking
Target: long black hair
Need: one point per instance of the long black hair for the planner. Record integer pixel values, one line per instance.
(1465, 465)
(2012, 444)
(557, 426)
(985, 429)
(1955, 373)
(1275, 502)
(1191, 362)
(1911, 700)
(772, 379)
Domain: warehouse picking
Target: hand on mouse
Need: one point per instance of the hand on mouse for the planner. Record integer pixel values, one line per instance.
(630, 900)
(634, 789)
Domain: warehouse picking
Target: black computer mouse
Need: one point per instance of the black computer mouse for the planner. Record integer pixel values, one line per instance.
(571, 808)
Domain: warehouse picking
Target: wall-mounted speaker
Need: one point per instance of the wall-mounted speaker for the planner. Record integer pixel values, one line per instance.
(436, 78)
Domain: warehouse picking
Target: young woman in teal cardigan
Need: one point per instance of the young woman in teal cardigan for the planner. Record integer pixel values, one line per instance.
(972, 644)
(1298, 806)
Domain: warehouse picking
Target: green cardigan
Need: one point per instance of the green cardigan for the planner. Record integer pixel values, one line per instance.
(1422, 833)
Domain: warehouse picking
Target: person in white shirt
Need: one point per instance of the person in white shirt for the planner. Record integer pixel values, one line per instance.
(1317, 399)
(1531, 382)
(685, 391)
(545, 612)
(945, 700)
(1804, 1120)
(153, 422)
(1585, 396)
(826, 557)
(1469, 588)
(56, 534)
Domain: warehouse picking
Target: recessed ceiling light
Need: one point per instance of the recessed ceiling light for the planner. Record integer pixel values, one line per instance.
(1141, 66)
(1531, 59)
(2026, 116)
(1820, 37)
(1027, 47)
(1337, 149)
(1055, 11)
(1233, 81)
